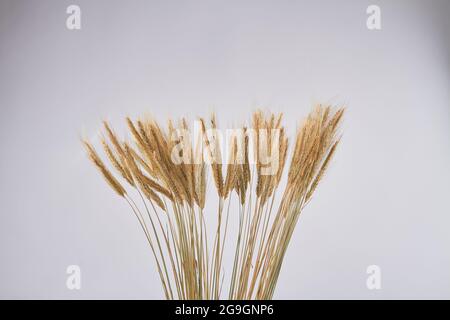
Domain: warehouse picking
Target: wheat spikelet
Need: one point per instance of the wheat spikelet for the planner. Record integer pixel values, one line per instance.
(120, 167)
(115, 185)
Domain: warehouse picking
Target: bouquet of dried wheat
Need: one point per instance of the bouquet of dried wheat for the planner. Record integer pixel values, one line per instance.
(167, 169)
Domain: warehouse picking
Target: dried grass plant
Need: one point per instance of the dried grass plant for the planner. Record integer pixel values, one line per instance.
(172, 198)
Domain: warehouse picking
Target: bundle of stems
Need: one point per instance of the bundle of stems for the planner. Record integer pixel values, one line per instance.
(172, 196)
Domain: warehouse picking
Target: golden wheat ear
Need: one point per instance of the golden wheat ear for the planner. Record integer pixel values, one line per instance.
(93, 156)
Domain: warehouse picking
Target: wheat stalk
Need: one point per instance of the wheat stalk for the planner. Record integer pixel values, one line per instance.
(172, 197)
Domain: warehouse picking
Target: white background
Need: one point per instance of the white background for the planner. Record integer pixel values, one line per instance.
(385, 200)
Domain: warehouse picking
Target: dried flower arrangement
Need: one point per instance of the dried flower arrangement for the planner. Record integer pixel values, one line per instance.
(168, 170)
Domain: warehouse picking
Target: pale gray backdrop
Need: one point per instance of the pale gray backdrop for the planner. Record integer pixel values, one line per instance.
(385, 200)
